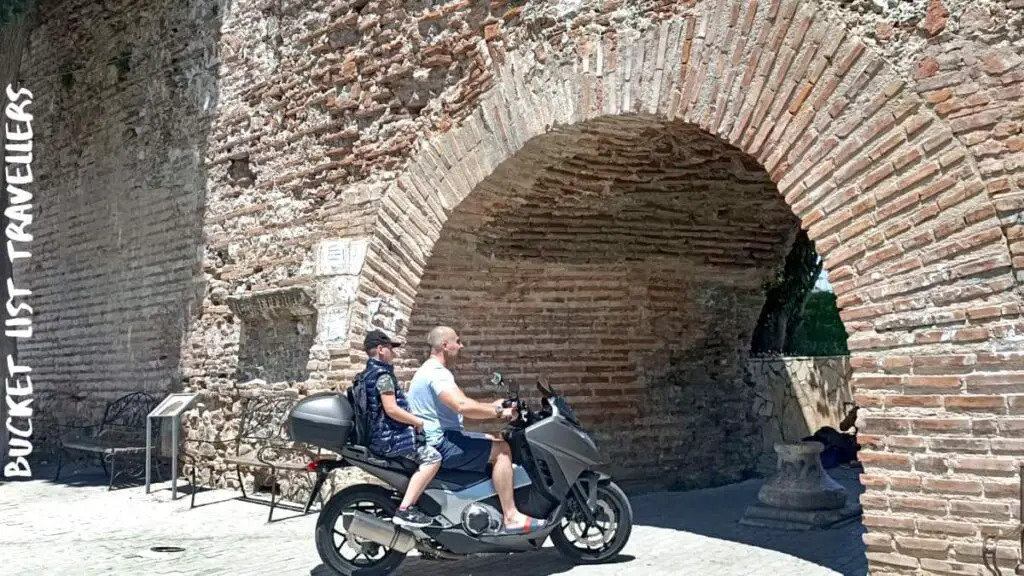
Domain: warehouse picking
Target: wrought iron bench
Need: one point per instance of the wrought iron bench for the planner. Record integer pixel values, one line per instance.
(120, 437)
(260, 442)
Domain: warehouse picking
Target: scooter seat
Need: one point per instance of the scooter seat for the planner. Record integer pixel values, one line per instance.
(456, 480)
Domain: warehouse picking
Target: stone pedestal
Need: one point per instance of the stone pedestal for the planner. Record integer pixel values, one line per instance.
(801, 495)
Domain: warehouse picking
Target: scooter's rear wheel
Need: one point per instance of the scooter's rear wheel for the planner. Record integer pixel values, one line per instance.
(348, 555)
(595, 544)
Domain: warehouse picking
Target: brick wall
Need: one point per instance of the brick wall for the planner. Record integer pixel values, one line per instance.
(638, 305)
(122, 106)
(896, 200)
(382, 123)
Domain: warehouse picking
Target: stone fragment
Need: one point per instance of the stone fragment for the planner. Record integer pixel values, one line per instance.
(926, 68)
(935, 17)
(884, 31)
(998, 61)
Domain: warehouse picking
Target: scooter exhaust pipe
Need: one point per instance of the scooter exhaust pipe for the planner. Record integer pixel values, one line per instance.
(362, 525)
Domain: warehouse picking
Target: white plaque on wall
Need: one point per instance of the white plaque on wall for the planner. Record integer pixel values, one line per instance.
(341, 256)
(334, 324)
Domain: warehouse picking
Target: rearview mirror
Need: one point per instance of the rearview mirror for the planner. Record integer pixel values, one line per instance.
(496, 379)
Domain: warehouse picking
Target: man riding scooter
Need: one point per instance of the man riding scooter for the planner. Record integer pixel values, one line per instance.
(435, 398)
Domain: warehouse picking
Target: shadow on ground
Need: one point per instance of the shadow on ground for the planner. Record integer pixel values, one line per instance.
(713, 513)
(672, 527)
(547, 562)
(716, 513)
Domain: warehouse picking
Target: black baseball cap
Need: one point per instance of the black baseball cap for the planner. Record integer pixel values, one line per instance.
(378, 338)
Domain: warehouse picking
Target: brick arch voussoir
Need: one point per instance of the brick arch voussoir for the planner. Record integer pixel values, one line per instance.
(446, 168)
(889, 195)
(879, 182)
(909, 235)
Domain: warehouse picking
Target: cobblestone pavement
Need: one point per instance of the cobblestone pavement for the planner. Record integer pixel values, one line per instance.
(79, 528)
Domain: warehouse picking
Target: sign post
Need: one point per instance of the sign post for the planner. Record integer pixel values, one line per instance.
(172, 407)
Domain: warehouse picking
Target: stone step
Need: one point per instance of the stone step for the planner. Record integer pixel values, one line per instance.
(771, 517)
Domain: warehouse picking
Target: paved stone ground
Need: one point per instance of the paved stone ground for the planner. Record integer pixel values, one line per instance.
(75, 527)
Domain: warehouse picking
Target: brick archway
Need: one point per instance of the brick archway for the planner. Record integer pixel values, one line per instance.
(910, 237)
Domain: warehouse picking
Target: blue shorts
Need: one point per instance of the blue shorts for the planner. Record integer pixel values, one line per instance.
(464, 451)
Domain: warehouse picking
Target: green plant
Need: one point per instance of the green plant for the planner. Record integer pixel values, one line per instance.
(820, 331)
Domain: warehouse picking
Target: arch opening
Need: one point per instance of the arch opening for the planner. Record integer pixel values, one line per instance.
(624, 260)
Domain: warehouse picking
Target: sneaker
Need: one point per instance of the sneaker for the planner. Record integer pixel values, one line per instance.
(411, 517)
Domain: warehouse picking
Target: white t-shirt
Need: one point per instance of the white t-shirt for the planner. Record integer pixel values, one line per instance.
(425, 390)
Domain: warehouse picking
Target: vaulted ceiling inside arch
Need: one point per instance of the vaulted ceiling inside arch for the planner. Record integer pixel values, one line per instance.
(628, 189)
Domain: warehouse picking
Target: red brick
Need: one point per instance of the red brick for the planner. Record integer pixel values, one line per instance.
(933, 506)
(1013, 427)
(909, 544)
(951, 527)
(866, 400)
(971, 509)
(1005, 489)
(907, 443)
(970, 334)
(940, 425)
(909, 401)
(975, 403)
(926, 68)
(938, 96)
(873, 178)
(952, 486)
(938, 384)
(877, 542)
(984, 465)
(966, 445)
(871, 459)
(890, 522)
(1005, 383)
(899, 560)
(876, 382)
(905, 483)
(871, 441)
(874, 481)
(985, 427)
(1015, 403)
(885, 425)
(950, 364)
(930, 464)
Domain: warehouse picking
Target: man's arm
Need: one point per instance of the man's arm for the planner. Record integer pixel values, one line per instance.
(454, 398)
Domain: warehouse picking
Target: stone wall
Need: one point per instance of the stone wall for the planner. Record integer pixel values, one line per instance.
(124, 93)
(796, 396)
(349, 148)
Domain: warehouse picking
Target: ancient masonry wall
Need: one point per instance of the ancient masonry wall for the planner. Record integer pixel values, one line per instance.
(327, 148)
(794, 397)
(123, 102)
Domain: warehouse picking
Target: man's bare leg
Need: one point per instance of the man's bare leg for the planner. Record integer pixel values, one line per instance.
(501, 475)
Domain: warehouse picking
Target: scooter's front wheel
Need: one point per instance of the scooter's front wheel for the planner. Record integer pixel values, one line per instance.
(349, 555)
(601, 541)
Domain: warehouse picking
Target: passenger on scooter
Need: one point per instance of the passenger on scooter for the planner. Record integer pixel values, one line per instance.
(435, 398)
(394, 428)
